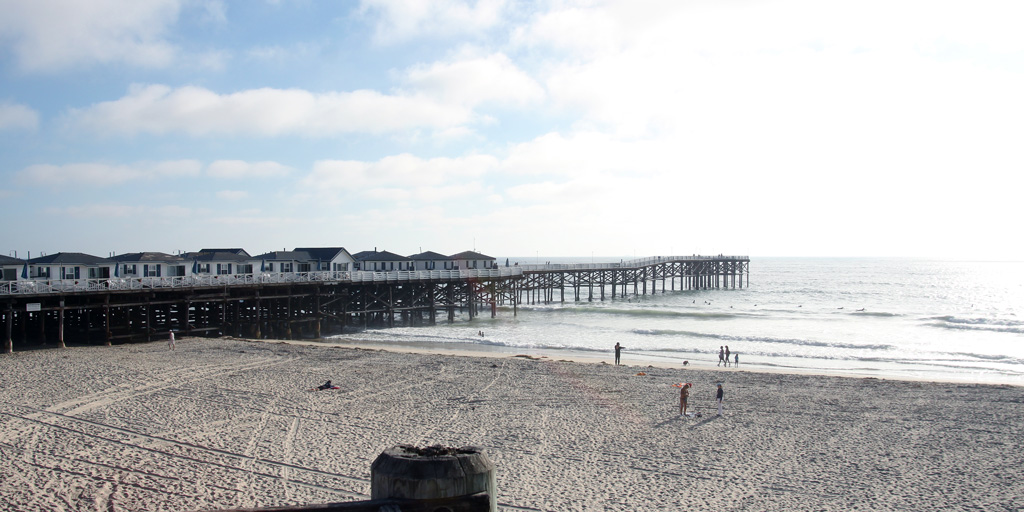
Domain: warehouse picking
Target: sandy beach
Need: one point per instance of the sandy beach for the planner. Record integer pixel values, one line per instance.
(223, 423)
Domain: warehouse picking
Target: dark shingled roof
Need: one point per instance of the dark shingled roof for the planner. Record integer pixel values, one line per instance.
(238, 251)
(7, 260)
(217, 256)
(285, 256)
(322, 253)
(429, 255)
(142, 257)
(70, 258)
(470, 255)
(378, 256)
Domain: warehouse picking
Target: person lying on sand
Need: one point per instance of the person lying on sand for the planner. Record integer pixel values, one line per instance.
(325, 385)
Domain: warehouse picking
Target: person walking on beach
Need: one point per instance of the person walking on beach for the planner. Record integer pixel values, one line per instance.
(736, 359)
(618, 352)
(684, 395)
(721, 355)
(170, 341)
(727, 355)
(718, 397)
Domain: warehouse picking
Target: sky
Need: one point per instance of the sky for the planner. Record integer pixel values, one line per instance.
(513, 128)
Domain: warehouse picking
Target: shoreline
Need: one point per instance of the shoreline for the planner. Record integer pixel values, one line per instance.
(587, 357)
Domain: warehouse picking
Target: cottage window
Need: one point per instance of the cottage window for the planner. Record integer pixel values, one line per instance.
(303, 267)
(42, 272)
(286, 267)
(223, 268)
(204, 268)
(151, 270)
(244, 269)
(70, 273)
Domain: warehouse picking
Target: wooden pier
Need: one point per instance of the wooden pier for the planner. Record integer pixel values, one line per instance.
(322, 304)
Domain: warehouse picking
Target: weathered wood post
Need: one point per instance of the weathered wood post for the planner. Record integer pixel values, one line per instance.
(435, 472)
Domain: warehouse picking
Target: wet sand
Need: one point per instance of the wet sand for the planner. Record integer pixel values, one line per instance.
(223, 423)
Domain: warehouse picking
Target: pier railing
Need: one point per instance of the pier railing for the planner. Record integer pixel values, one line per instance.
(52, 286)
(641, 262)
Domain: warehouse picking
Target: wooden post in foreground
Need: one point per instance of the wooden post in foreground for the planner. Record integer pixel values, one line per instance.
(435, 472)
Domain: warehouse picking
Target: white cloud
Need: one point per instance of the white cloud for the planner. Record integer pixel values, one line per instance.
(472, 81)
(100, 174)
(232, 195)
(239, 169)
(107, 211)
(14, 116)
(158, 109)
(50, 35)
(401, 20)
(405, 169)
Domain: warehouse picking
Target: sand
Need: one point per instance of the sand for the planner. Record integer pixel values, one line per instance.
(223, 423)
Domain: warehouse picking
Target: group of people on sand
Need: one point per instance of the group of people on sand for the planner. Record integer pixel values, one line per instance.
(684, 398)
(723, 356)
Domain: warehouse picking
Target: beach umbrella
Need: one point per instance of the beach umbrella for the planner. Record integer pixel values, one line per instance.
(195, 266)
(24, 271)
(117, 270)
(263, 265)
(506, 262)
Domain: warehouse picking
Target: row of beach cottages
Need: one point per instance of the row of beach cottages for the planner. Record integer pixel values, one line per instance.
(231, 262)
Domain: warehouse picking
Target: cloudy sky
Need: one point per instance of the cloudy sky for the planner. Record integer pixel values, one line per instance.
(542, 128)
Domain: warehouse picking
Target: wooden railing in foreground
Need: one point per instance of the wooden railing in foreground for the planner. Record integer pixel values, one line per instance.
(405, 478)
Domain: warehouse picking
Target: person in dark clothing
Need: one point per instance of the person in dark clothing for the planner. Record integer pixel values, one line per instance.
(618, 352)
(719, 397)
(325, 385)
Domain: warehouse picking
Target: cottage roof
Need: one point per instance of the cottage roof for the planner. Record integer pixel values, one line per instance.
(69, 258)
(470, 255)
(217, 256)
(237, 250)
(429, 255)
(7, 260)
(378, 256)
(323, 253)
(285, 256)
(145, 257)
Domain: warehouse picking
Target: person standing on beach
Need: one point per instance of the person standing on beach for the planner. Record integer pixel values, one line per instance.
(170, 341)
(721, 355)
(684, 396)
(719, 396)
(618, 352)
(736, 359)
(727, 355)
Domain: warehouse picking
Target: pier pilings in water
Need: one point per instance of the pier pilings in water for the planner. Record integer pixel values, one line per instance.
(581, 282)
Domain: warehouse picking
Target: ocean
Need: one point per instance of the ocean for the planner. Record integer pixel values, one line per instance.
(870, 317)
